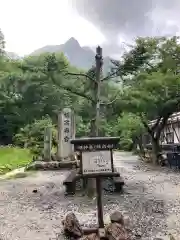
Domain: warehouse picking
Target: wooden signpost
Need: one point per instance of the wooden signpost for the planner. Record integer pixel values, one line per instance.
(96, 161)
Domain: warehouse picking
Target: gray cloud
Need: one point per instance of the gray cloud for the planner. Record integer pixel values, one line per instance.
(130, 18)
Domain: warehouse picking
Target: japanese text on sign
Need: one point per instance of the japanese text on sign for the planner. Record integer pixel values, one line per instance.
(91, 147)
(67, 125)
(96, 162)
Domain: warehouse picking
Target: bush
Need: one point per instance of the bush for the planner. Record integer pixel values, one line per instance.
(126, 144)
(32, 135)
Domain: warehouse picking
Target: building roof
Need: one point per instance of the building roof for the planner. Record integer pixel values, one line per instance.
(175, 117)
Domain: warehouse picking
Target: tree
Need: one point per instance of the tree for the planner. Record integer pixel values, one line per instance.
(85, 85)
(130, 128)
(151, 86)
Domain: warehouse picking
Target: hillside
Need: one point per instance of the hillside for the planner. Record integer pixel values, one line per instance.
(81, 57)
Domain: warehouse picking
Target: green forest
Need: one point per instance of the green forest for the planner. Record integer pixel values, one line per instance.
(143, 85)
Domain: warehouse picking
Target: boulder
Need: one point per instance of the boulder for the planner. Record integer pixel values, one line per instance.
(117, 217)
(72, 226)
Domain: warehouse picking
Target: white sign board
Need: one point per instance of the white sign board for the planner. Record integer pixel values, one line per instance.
(96, 162)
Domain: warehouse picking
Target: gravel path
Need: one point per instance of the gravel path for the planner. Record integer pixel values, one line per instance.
(151, 199)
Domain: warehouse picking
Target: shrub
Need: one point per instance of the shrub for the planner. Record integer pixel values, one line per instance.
(32, 135)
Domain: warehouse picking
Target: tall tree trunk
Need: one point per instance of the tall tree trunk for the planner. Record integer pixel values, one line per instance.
(155, 150)
(96, 108)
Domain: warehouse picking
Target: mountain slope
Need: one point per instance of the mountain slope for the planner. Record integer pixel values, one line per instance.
(80, 57)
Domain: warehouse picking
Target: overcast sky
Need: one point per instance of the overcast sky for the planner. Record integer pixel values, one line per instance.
(30, 24)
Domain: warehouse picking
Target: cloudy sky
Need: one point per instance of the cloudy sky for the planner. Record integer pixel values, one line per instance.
(30, 24)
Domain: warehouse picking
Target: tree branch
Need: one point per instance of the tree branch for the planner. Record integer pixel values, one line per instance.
(81, 74)
(69, 89)
(109, 103)
(110, 76)
(78, 93)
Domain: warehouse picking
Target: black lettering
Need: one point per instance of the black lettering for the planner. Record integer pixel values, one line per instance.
(66, 130)
(66, 138)
(67, 114)
(66, 122)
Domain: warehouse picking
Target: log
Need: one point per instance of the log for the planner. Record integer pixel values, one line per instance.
(116, 231)
(72, 226)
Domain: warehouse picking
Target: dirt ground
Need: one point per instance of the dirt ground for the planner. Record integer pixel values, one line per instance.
(151, 199)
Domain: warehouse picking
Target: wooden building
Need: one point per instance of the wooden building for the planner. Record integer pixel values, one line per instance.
(171, 132)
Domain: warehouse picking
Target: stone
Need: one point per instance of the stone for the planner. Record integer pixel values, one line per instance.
(116, 231)
(47, 143)
(126, 220)
(37, 165)
(66, 132)
(72, 226)
(117, 217)
(39, 158)
(41, 165)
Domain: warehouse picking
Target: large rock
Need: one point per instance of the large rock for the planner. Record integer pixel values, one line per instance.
(72, 226)
(117, 217)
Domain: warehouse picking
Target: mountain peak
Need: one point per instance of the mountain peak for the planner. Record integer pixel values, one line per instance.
(80, 57)
(72, 42)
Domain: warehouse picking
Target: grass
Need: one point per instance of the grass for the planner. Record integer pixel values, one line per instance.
(13, 157)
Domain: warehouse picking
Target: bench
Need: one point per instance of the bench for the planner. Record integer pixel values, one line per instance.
(73, 176)
(70, 182)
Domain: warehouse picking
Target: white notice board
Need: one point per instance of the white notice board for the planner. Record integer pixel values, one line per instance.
(96, 162)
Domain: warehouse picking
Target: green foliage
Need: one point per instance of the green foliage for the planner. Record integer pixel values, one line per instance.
(82, 128)
(32, 135)
(13, 157)
(129, 125)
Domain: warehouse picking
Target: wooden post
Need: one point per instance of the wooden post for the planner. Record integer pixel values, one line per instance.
(98, 58)
(95, 124)
(47, 143)
(99, 202)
